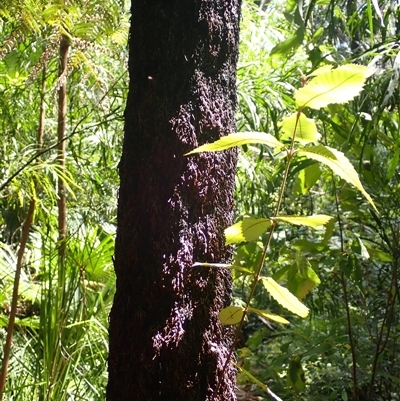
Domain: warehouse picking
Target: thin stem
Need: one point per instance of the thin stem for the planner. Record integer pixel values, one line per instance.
(290, 154)
(61, 127)
(346, 299)
(11, 320)
(24, 239)
(382, 342)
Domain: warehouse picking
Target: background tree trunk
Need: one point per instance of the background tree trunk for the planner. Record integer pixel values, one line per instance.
(166, 342)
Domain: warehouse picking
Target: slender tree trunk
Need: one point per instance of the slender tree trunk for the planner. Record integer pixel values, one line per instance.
(61, 124)
(166, 342)
(26, 227)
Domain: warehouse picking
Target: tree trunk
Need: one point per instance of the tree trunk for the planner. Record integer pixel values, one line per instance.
(166, 342)
(61, 127)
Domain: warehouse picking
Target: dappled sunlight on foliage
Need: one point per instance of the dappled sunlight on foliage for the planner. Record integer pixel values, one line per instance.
(324, 310)
(59, 347)
(347, 348)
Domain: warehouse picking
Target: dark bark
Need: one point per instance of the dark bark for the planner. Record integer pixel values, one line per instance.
(166, 342)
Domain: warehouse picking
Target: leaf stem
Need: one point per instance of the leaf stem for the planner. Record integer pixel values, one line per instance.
(290, 153)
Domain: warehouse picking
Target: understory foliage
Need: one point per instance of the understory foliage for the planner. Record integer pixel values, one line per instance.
(347, 347)
(59, 344)
(342, 275)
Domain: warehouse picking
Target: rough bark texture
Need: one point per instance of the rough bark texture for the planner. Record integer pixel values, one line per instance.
(166, 342)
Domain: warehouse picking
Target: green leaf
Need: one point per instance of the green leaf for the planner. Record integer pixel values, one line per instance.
(311, 275)
(393, 164)
(281, 273)
(287, 46)
(304, 128)
(238, 139)
(378, 254)
(309, 221)
(225, 266)
(249, 229)
(328, 232)
(284, 297)
(304, 287)
(301, 277)
(307, 178)
(269, 315)
(335, 86)
(304, 245)
(290, 6)
(295, 376)
(338, 163)
(256, 381)
(231, 315)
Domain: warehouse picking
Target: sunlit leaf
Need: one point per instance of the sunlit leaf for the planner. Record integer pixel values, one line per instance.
(231, 315)
(335, 86)
(307, 178)
(238, 139)
(316, 220)
(339, 164)
(305, 287)
(249, 229)
(284, 297)
(269, 315)
(305, 128)
(310, 273)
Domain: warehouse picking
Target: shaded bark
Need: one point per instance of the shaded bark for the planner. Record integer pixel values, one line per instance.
(166, 342)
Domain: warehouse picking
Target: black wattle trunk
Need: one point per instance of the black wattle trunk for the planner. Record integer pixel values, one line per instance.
(166, 342)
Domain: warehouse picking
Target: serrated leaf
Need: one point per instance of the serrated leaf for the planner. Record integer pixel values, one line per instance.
(238, 139)
(225, 266)
(309, 221)
(249, 229)
(304, 288)
(335, 86)
(338, 163)
(231, 315)
(305, 128)
(269, 315)
(284, 297)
